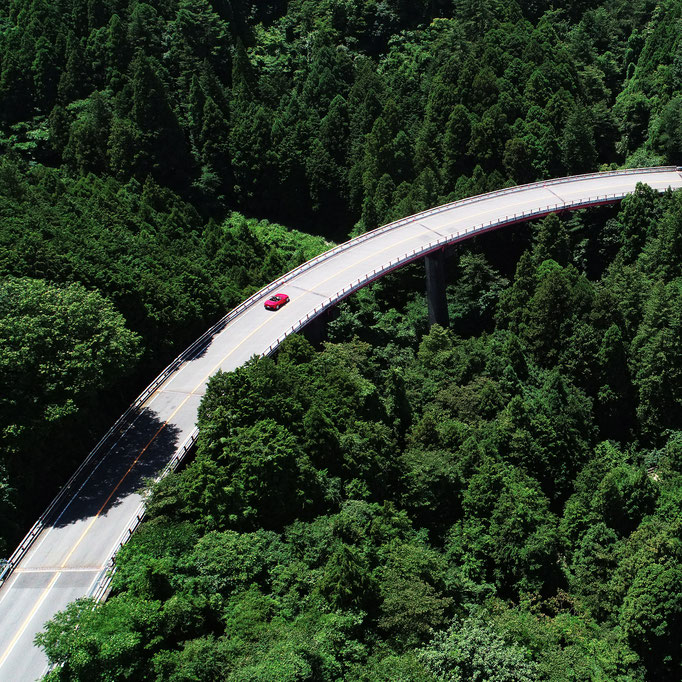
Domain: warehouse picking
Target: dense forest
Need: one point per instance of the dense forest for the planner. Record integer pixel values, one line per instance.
(497, 501)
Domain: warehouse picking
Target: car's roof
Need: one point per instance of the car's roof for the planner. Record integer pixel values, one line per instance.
(277, 296)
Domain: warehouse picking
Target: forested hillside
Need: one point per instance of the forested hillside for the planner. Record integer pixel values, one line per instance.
(495, 501)
(359, 109)
(130, 130)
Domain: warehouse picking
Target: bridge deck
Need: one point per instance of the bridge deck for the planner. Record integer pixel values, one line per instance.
(66, 559)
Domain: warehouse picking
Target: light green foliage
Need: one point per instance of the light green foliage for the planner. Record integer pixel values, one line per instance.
(228, 562)
(472, 650)
(60, 345)
(564, 640)
(393, 668)
(110, 641)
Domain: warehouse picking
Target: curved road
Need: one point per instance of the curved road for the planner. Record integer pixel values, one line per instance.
(69, 549)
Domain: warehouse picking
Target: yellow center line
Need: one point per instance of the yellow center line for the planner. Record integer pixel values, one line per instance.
(391, 246)
(163, 426)
(28, 619)
(201, 383)
(146, 447)
(50, 585)
(118, 485)
(520, 203)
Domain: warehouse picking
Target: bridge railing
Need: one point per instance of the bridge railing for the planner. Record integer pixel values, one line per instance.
(101, 586)
(433, 211)
(91, 461)
(416, 254)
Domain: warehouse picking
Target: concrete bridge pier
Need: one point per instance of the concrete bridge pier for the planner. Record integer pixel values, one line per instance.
(435, 289)
(316, 330)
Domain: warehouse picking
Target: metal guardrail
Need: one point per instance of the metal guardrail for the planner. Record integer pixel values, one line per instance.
(415, 254)
(441, 209)
(203, 340)
(101, 586)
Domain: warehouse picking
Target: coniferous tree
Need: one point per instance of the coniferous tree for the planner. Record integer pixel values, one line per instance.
(117, 51)
(455, 143)
(615, 392)
(74, 81)
(578, 152)
(86, 149)
(163, 150)
(16, 89)
(214, 141)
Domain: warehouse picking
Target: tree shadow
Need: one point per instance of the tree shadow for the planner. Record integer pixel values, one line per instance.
(201, 351)
(140, 452)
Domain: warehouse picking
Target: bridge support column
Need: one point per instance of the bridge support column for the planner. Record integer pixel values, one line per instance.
(435, 289)
(316, 330)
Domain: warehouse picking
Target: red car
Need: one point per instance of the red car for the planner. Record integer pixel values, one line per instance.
(276, 302)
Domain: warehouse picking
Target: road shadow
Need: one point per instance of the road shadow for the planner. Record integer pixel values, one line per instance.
(201, 351)
(141, 452)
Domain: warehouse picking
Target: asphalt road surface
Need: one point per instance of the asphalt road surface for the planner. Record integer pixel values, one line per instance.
(69, 555)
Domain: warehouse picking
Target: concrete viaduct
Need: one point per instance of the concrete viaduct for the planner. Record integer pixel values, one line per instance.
(68, 552)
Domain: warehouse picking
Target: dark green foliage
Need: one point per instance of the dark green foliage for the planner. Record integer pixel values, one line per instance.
(615, 396)
(658, 371)
(508, 537)
(651, 615)
(477, 290)
(329, 97)
(407, 504)
(70, 340)
(578, 151)
(345, 579)
(624, 496)
(593, 563)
